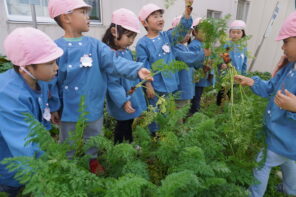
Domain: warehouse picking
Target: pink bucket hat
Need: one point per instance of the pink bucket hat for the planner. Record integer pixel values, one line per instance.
(238, 24)
(26, 46)
(196, 22)
(176, 21)
(147, 10)
(288, 29)
(58, 7)
(127, 19)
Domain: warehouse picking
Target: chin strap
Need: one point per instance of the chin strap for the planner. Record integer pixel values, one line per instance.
(116, 34)
(26, 71)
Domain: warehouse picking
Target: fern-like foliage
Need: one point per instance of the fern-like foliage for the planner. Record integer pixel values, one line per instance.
(130, 185)
(210, 154)
(180, 184)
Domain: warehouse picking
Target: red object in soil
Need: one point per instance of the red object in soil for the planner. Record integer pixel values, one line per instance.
(95, 167)
(226, 58)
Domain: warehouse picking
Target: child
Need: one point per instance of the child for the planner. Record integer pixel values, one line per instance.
(191, 58)
(33, 55)
(83, 71)
(157, 45)
(280, 117)
(238, 53)
(197, 45)
(122, 105)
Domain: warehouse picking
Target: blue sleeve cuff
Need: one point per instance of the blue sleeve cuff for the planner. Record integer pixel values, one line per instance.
(121, 103)
(291, 115)
(187, 23)
(255, 86)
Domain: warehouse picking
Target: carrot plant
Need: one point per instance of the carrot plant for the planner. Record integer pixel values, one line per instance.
(169, 3)
(216, 39)
(159, 67)
(4, 64)
(205, 156)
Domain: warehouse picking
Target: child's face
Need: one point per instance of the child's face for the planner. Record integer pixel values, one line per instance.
(126, 40)
(155, 22)
(289, 48)
(236, 34)
(45, 72)
(79, 20)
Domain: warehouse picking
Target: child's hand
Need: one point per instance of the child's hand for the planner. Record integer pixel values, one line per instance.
(188, 3)
(286, 101)
(128, 108)
(283, 61)
(223, 66)
(245, 81)
(150, 90)
(207, 52)
(188, 8)
(145, 74)
(55, 118)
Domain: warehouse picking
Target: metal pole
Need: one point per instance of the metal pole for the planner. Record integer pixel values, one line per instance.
(34, 17)
(266, 34)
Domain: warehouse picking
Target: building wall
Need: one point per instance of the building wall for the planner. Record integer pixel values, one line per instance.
(108, 6)
(258, 18)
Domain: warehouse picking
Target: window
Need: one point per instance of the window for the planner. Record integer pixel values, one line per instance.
(242, 10)
(213, 14)
(20, 10)
(95, 14)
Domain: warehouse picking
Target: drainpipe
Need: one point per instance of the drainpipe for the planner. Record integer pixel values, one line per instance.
(266, 34)
(33, 12)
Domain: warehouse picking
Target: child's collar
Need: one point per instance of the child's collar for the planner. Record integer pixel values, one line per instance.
(73, 39)
(153, 35)
(152, 38)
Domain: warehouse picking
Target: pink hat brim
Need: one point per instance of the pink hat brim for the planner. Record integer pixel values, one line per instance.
(55, 55)
(279, 38)
(131, 29)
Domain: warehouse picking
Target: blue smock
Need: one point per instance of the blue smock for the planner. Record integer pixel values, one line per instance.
(280, 124)
(239, 57)
(83, 71)
(191, 58)
(150, 50)
(18, 98)
(117, 94)
(206, 81)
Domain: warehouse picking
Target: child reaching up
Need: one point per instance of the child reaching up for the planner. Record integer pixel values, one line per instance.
(192, 57)
(197, 45)
(156, 45)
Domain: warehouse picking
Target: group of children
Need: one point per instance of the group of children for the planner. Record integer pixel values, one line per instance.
(85, 66)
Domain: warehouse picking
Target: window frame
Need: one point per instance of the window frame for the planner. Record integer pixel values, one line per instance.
(245, 11)
(101, 15)
(213, 13)
(44, 19)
